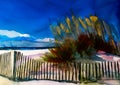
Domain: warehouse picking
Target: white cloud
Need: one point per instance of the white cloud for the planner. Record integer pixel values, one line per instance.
(45, 40)
(24, 35)
(12, 34)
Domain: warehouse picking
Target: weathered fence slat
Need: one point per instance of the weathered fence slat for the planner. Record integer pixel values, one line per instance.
(77, 65)
(115, 70)
(105, 70)
(25, 68)
(85, 70)
(72, 72)
(99, 73)
(21, 68)
(62, 74)
(118, 66)
(56, 66)
(50, 71)
(111, 70)
(80, 71)
(58, 73)
(53, 71)
(36, 69)
(88, 73)
(91, 70)
(47, 70)
(108, 69)
(106, 66)
(65, 74)
(32, 69)
(102, 69)
(39, 70)
(28, 70)
(96, 71)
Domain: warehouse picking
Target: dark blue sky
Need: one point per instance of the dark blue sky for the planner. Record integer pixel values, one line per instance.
(30, 19)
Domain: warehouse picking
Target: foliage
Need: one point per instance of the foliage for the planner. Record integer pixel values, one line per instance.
(62, 54)
(100, 44)
(82, 38)
(83, 45)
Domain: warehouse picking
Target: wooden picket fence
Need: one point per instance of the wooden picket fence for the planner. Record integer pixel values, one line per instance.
(28, 69)
(25, 68)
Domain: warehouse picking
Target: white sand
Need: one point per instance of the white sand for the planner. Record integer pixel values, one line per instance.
(27, 52)
(5, 81)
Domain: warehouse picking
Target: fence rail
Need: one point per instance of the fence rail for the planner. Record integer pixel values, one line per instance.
(26, 68)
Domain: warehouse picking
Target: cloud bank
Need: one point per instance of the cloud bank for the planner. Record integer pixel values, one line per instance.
(12, 34)
(17, 39)
(45, 40)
